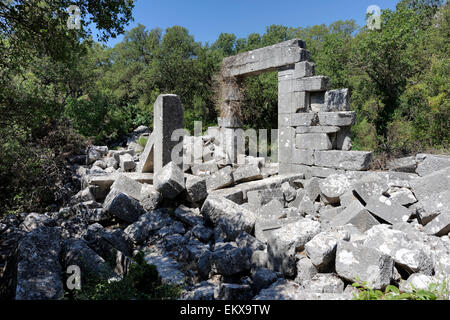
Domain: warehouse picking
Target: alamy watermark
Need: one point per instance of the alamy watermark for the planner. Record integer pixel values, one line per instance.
(74, 20)
(374, 17)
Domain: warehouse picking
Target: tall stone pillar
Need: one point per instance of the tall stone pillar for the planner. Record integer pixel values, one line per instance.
(168, 117)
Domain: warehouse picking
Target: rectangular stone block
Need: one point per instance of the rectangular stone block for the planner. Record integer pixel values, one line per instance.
(339, 119)
(220, 179)
(313, 141)
(168, 117)
(286, 141)
(347, 160)
(337, 100)
(317, 129)
(303, 156)
(297, 119)
(317, 83)
(265, 59)
(304, 69)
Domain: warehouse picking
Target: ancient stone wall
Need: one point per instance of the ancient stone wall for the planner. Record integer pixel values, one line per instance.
(313, 122)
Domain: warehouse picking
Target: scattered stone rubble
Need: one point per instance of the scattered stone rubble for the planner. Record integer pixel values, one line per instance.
(248, 231)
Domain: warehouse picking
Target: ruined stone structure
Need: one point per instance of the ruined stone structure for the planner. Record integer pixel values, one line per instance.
(313, 121)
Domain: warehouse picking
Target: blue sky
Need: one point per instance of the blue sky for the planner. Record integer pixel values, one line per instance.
(206, 19)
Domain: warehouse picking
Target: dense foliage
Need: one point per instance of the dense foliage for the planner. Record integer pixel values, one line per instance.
(398, 77)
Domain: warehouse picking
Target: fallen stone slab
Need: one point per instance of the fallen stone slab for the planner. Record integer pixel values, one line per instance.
(282, 289)
(228, 259)
(169, 181)
(139, 231)
(200, 292)
(101, 183)
(439, 226)
(402, 196)
(429, 208)
(122, 206)
(203, 169)
(234, 194)
(286, 241)
(390, 212)
(35, 220)
(168, 269)
(196, 188)
(369, 187)
(189, 216)
(265, 59)
(407, 164)
(324, 283)
(347, 160)
(322, 248)
(263, 278)
(305, 270)
(328, 214)
(356, 215)
(220, 179)
(128, 186)
(428, 163)
(271, 211)
(354, 261)
(146, 159)
(397, 244)
(258, 198)
(127, 163)
(229, 216)
(236, 292)
(77, 252)
(247, 173)
(150, 198)
(333, 187)
(425, 187)
(39, 273)
(95, 153)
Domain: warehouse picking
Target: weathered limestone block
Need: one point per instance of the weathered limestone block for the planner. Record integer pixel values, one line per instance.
(196, 189)
(304, 69)
(322, 248)
(317, 129)
(170, 181)
(127, 163)
(337, 100)
(220, 179)
(370, 187)
(428, 163)
(425, 187)
(312, 84)
(206, 168)
(128, 186)
(356, 215)
(387, 210)
(168, 117)
(146, 159)
(297, 119)
(286, 241)
(123, 206)
(303, 156)
(347, 160)
(229, 216)
(39, 274)
(354, 261)
(339, 119)
(313, 141)
(265, 59)
(333, 187)
(439, 226)
(247, 173)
